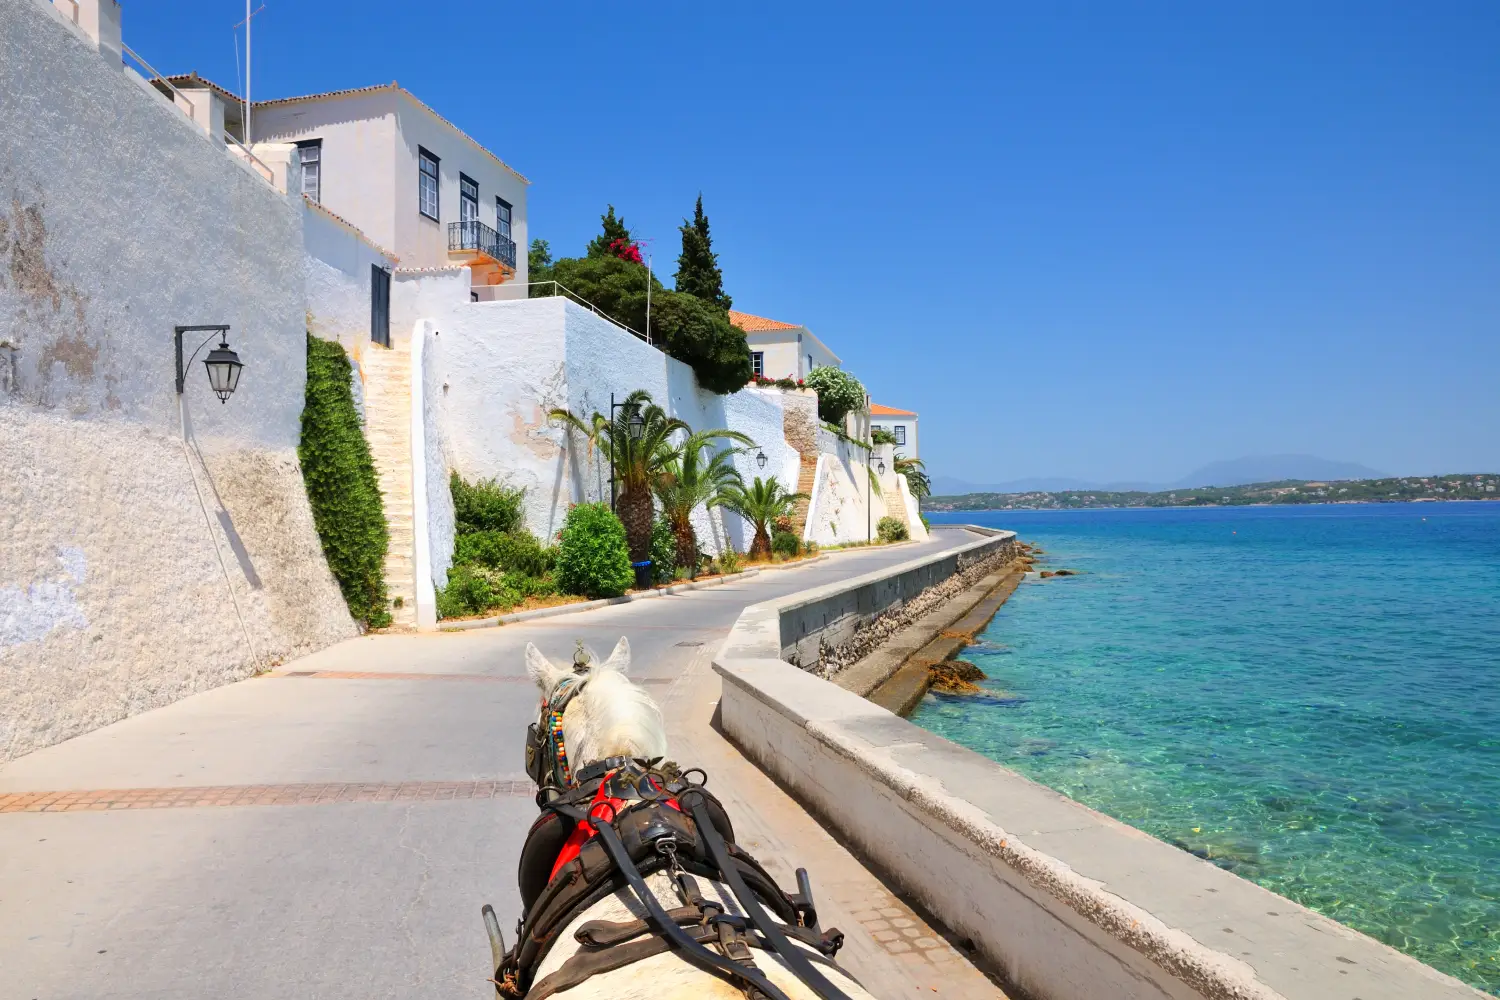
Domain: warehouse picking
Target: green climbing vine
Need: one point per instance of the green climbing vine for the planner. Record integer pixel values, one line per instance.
(341, 484)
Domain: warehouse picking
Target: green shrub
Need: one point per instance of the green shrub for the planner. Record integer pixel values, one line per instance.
(838, 393)
(729, 561)
(891, 530)
(470, 591)
(486, 505)
(663, 552)
(516, 551)
(784, 543)
(341, 484)
(879, 435)
(593, 559)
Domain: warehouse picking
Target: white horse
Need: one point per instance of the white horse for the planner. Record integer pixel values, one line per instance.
(612, 717)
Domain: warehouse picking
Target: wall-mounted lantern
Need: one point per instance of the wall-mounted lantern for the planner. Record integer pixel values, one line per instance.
(881, 467)
(760, 460)
(223, 365)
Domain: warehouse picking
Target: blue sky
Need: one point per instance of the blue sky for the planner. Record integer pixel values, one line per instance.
(1110, 240)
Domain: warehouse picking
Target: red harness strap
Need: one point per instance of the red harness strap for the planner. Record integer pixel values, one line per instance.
(604, 808)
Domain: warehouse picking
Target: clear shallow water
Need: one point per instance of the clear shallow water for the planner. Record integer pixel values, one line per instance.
(1307, 696)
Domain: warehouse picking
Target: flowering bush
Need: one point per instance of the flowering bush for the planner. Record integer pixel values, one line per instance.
(626, 250)
(761, 381)
(838, 393)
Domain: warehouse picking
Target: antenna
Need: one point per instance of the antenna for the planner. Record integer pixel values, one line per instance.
(246, 22)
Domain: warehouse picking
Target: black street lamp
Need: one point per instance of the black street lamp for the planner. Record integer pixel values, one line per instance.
(223, 365)
(760, 460)
(881, 467)
(635, 427)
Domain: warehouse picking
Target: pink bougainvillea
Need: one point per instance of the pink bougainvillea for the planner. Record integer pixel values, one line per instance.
(626, 250)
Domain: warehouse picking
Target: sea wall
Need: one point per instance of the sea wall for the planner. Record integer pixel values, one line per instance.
(147, 552)
(1067, 903)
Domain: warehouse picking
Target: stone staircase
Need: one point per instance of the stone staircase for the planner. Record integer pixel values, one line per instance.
(807, 477)
(387, 375)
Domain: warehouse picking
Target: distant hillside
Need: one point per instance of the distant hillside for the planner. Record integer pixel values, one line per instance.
(1274, 469)
(1469, 486)
(1233, 472)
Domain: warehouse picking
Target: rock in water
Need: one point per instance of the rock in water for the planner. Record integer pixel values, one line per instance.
(955, 677)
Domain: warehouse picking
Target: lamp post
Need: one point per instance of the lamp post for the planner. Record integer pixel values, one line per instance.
(760, 460)
(635, 426)
(223, 365)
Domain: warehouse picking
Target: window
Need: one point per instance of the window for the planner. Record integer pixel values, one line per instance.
(468, 199)
(758, 362)
(810, 365)
(900, 431)
(427, 184)
(310, 160)
(380, 305)
(502, 217)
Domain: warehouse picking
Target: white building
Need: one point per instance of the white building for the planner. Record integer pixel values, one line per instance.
(407, 177)
(901, 423)
(782, 350)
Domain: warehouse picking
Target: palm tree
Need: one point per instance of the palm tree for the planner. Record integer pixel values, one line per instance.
(761, 503)
(695, 475)
(638, 453)
(916, 476)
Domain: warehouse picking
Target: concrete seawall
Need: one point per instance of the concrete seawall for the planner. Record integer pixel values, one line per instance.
(1068, 903)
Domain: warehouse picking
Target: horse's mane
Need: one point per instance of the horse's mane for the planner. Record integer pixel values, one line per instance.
(610, 716)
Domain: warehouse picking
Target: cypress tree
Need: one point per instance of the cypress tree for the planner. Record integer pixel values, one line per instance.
(614, 229)
(698, 271)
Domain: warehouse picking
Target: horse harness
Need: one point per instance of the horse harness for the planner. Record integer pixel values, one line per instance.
(616, 821)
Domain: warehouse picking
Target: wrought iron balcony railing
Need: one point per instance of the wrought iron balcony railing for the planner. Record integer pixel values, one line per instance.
(474, 235)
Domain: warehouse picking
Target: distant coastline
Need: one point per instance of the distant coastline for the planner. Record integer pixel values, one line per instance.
(1406, 489)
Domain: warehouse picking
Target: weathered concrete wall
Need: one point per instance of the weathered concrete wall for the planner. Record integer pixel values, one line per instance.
(136, 567)
(1068, 903)
(830, 615)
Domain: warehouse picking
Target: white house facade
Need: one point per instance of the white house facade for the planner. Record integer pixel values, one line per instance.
(782, 350)
(406, 177)
(901, 423)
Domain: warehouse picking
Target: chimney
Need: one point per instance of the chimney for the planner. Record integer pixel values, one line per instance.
(100, 20)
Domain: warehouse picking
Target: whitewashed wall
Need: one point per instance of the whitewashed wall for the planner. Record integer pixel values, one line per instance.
(838, 512)
(495, 369)
(137, 567)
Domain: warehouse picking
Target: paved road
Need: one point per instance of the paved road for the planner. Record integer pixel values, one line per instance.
(414, 805)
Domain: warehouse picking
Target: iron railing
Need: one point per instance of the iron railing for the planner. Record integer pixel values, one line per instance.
(547, 289)
(475, 235)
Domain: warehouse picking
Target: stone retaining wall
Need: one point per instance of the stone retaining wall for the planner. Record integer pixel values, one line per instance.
(1069, 904)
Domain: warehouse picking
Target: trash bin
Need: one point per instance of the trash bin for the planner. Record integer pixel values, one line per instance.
(642, 574)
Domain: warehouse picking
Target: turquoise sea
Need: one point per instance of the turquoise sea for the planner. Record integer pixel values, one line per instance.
(1307, 696)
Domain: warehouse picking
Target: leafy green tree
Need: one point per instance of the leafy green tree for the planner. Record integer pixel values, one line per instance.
(698, 271)
(916, 476)
(614, 230)
(539, 261)
(615, 287)
(696, 476)
(701, 336)
(760, 504)
(838, 393)
(592, 558)
(637, 460)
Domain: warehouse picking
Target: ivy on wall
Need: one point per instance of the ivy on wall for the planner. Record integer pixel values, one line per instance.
(341, 484)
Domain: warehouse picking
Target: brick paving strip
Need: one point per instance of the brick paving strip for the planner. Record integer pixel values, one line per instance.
(386, 675)
(311, 794)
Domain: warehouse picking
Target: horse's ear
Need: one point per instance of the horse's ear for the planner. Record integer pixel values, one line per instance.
(543, 671)
(619, 660)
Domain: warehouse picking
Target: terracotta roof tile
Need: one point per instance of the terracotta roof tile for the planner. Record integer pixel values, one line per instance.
(759, 324)
(877, 410)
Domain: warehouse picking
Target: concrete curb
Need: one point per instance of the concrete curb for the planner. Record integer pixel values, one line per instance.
(568, 609)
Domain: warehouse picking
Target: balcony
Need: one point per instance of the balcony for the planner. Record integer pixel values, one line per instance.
(491, 256)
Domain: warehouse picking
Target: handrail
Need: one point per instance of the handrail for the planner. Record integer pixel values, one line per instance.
(265, 171)
(585, 302)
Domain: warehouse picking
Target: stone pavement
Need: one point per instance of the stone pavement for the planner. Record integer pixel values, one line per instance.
(331, 830)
